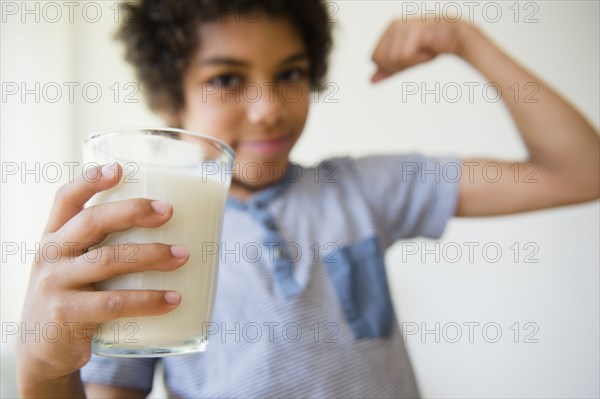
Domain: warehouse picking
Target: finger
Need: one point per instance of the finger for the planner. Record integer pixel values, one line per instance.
(397, 49)
(91, 226)
(105, 262)
(407, 46)
(71, 197)
(102, 306)
(382, 49)
(379, 76)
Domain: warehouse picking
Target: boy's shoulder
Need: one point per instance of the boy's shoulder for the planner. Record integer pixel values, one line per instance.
(377, 167)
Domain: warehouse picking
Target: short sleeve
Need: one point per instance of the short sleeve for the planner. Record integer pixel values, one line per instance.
(129, 373)
(410, 195)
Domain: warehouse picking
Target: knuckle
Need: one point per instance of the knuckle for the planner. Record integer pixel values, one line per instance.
(115, 303)
(62, 192)
(89, 216)
(397, 57)
(58, 314)
(47, 280)
(138, 208)
(152, 302)
(141, 206)
(62, 310)
(161, 251)
(105, 257)
(149, 300)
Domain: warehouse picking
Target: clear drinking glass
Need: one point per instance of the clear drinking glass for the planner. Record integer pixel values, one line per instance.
(192, 172)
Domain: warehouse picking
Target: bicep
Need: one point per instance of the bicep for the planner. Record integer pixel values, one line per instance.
(490, 187)
(94, 391)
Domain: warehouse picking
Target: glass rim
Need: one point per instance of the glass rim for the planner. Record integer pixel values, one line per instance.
(106, 132)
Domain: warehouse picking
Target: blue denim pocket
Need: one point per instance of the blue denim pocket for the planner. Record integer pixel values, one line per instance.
(358, 274)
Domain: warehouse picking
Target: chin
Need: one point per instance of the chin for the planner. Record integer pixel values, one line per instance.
(251, 185)
(259, 173)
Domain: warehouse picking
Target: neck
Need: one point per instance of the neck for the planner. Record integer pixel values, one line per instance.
(241, 191)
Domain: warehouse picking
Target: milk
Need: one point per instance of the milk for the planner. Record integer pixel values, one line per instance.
(198, 203)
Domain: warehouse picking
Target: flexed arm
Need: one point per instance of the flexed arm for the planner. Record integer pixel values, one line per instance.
(563, 147)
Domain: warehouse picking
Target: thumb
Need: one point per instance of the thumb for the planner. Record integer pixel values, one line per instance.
(379, 75)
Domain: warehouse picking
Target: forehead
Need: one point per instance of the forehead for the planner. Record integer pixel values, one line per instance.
(266, 39)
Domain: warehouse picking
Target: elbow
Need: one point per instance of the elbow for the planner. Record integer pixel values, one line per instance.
(593, 192)
(586, 190)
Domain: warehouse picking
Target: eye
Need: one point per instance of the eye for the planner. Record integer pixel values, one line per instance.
(226, 81)
(293, 75)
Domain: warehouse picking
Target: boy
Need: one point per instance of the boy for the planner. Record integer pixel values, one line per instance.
(326, 322)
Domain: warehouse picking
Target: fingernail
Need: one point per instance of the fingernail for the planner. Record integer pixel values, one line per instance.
(109, 169)
(172, 297)
(179, 251)
(160, 207)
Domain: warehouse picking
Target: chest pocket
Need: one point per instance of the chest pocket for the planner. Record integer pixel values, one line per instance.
(358, 274)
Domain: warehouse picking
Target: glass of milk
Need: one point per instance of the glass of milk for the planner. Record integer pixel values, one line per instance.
(192, 172)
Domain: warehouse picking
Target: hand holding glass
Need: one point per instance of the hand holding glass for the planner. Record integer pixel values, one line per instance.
(189, 171)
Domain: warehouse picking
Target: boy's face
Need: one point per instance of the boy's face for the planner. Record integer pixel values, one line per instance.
(248, 86)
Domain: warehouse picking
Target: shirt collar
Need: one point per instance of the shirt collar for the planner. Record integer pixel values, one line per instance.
(261, 198)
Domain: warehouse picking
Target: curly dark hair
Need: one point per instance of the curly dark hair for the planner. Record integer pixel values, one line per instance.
(160, 37)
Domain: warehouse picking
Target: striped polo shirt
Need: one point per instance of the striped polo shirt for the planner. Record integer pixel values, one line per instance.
(303, 307)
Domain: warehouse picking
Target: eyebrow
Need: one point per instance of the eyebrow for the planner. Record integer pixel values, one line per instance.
(240, 63)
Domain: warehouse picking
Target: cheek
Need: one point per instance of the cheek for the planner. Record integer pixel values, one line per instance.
(213, 117)
(299, 110)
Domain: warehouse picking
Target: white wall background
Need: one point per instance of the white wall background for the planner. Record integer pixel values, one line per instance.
(559, 293)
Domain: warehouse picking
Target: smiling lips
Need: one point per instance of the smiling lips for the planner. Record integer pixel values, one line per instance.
(266, 147)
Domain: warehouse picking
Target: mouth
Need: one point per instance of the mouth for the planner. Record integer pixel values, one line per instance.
(267, 147)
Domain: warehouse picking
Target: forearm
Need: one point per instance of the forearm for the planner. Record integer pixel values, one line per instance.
(557, 137)
(69, 386)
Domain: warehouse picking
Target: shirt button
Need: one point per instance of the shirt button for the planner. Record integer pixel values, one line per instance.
(270, 225)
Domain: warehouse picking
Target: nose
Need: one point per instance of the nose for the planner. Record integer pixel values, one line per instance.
(267, 108)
